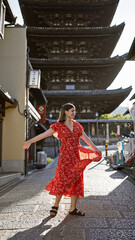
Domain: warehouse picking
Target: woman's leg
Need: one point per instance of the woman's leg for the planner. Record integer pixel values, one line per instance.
(73, 202)
(57, 200)
(73, 210)
(54, 210)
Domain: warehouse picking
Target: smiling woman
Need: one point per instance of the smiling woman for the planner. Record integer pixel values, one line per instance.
(73, 158)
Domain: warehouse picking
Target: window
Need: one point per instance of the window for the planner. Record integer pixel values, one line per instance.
(70, 87)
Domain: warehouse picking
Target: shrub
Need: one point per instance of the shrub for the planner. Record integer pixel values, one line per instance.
(49, 160)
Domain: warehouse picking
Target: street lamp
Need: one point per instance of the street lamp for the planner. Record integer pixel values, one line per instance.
(96, 115)
(50, 115)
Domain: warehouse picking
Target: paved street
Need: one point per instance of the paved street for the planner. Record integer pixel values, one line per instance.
(109, 204)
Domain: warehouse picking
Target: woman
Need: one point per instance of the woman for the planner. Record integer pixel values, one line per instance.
(73, 158)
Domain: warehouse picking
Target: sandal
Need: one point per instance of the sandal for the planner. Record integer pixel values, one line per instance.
(53, 212)
(77, 212)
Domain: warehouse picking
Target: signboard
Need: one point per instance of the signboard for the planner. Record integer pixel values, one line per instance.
(41, 109)
(34, 78)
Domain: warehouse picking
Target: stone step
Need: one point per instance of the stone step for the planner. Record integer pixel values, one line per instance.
(10, 185)
(7, 177)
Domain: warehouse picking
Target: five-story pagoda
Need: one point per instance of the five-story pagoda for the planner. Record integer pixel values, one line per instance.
(71, 42)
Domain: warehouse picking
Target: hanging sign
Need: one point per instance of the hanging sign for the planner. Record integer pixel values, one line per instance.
(41, 109)
(118, 130)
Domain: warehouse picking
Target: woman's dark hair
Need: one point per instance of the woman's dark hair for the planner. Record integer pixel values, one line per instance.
(65, 107)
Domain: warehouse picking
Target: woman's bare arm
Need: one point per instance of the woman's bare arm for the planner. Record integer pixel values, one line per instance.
(89, 142)
(39, 137)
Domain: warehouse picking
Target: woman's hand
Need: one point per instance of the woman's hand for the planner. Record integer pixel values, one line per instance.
(90, 143)
(27, 144)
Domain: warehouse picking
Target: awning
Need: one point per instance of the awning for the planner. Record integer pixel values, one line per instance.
(33, 112)
(6, 97)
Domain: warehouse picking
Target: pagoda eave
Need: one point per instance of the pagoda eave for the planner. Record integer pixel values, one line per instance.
(131, 54)
(77, 61)
(99, 13)
(86, 73)
(92, 31)
(89, 93)
(87, 102)
(44, 3)
(47, 42)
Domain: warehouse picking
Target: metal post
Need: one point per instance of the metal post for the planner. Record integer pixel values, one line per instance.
(97, 125)
(106, 149)
(88, 129)
(107, 131)
(27, 132)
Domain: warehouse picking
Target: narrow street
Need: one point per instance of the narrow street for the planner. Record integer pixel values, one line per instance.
(109, 204)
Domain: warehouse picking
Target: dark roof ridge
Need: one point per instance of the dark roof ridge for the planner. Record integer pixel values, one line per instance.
(111, 28)
(110, 59)
(89, 92)
(68, 2)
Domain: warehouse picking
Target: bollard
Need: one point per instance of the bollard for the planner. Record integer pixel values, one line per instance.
(106, 143)
(122, 162)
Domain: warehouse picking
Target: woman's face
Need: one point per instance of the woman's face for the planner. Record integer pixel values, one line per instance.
(70, 113)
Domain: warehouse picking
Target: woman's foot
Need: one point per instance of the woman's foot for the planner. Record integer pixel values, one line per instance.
(53, 212)
(77, 212)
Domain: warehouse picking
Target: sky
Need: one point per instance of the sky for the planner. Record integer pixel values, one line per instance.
(125, 13)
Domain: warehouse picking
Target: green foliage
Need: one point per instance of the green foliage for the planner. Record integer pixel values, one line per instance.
(113, 134)
(112, 116)
(49, 160)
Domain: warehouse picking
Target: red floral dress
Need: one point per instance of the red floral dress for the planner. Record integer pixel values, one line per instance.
(73, 159)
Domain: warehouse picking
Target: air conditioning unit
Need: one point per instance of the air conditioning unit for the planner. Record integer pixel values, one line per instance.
(2, 18)
(34, 78)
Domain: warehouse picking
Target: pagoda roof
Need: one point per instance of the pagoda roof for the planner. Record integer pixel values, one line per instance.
(89, 93)
(133, 97)
(77, 61)
(131, 54)
(95, 40)
(101, 71)
(98, 13)
(101, 101)
(94, 31)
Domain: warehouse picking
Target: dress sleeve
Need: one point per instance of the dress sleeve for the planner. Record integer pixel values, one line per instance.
(55, 128)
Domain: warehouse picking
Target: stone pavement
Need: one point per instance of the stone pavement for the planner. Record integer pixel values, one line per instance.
(109, 204)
